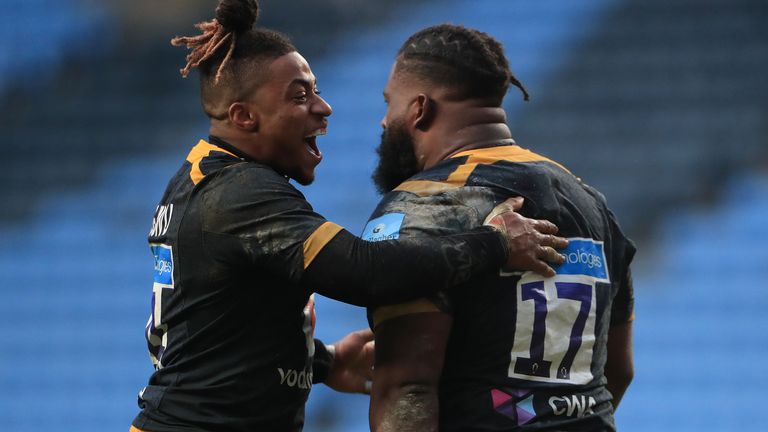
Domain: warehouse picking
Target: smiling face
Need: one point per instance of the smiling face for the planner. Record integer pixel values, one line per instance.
(289, 114)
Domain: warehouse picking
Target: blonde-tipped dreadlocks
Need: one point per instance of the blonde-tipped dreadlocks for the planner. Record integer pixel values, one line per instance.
(205, 45)
(230, 54)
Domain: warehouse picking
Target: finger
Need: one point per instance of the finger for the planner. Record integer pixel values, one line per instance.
(549, 255)
(365, 334)
(515, 202)
(543, 269)
(553, 241)
(508, 206)
(545, 226)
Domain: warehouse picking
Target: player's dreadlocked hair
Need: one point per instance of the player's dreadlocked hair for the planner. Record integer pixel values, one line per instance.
(471, 61)
(229, 52)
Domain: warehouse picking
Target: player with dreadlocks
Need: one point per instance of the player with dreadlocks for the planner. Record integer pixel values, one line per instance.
(238, 250)
(514, 351)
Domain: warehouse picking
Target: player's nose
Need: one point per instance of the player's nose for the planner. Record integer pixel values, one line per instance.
(322, 107)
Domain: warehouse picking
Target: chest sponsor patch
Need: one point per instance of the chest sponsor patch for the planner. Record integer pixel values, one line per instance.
(163, 272)
(385, 227)
(585, 257)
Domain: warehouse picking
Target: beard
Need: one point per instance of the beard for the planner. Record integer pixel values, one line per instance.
(397, 158)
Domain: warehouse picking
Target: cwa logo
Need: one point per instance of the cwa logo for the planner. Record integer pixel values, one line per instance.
(579, 406)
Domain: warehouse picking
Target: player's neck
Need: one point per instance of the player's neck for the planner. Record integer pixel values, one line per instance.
(466, 129)
(236, 139)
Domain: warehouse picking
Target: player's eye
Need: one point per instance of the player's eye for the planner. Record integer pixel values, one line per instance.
(301, 97)
(317, 91)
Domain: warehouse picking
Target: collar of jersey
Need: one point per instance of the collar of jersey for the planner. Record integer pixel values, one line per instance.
(218, 142)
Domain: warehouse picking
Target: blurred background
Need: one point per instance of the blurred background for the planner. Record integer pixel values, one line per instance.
(660, 104)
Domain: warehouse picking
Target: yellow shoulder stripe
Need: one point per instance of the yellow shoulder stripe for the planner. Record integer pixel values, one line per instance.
(425, 187)
(197, 154)
(481, 156)
(385, 313)
(509, 153)
(317, 241)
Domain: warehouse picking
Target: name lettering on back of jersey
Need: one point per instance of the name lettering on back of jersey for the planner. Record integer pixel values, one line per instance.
(385, 227)
(161, 221)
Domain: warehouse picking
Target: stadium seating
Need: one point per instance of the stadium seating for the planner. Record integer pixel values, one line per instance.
(700, 336)
(677, 80)
(37, 36)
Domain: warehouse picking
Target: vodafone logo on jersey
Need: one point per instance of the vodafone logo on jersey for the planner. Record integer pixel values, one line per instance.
(294, 378)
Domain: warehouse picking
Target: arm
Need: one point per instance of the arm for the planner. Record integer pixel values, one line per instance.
(256, 218)
(410, 350)
(364, 273)
(619, 367)
(388, 272)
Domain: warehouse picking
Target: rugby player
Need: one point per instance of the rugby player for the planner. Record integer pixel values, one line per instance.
(549, 354)
(238, 250)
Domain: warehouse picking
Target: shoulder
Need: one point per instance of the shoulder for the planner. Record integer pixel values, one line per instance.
(249, 180)
(410, 214)
(247, 192)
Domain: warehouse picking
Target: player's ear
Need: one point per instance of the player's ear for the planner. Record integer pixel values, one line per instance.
(242, 117)
(423, 110)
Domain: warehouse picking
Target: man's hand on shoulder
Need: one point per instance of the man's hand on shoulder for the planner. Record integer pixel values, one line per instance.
(532, 243)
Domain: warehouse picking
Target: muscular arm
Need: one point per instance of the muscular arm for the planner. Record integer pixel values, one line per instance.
(619, 367)
(364, 273)
(410, 350)
(254, 217)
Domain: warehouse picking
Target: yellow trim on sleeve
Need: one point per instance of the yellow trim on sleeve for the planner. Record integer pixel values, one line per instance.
(317, 241)
(385, 313)
(135, 429)
(197, 154)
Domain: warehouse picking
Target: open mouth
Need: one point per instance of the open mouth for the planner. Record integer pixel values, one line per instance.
(311, 142)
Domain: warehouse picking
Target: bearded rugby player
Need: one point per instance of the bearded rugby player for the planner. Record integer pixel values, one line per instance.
(506, 352)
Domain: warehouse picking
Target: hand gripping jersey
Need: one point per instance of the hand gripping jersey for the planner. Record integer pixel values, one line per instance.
(529, 358)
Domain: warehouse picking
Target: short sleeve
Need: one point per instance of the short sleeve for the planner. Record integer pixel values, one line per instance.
(253, 216)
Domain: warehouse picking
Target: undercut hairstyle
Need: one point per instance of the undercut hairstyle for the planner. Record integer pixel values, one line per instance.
(470, 61)
(231, 55)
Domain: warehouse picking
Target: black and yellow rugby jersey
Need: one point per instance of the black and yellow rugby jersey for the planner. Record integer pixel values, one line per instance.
(529, 358)
(237, 252)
